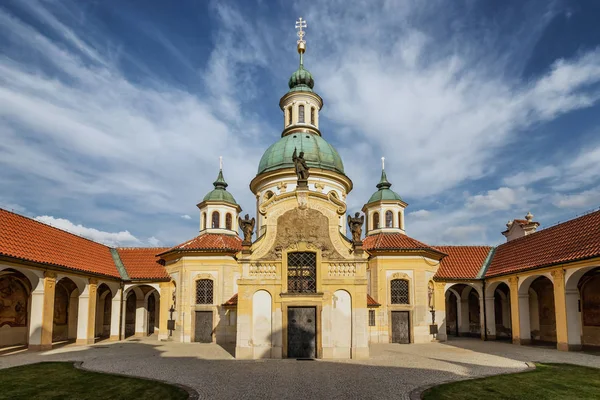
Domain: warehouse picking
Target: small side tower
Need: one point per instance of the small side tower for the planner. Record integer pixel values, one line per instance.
(218, 210)
(385, 208)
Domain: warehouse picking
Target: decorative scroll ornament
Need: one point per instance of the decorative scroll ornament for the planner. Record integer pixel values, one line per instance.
(341, 210)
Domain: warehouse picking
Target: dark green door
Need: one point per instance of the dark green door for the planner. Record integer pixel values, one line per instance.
(400, 327)
(301, 334)
(204, 326)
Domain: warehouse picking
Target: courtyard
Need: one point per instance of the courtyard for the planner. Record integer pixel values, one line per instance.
(392, 371)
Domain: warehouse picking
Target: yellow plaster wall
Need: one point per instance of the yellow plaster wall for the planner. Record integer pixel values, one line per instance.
(221, 269)
(418, 271)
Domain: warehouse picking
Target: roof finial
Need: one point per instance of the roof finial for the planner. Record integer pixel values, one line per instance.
(382, 163)
(301, 23)
(220, 162)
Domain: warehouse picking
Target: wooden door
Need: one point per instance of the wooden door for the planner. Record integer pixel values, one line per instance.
(203, 327)
(301, 333)
(400, 327)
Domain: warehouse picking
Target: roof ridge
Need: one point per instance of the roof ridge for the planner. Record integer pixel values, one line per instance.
(55, 228)
(486, 264)
(463, 245)
(142, 248)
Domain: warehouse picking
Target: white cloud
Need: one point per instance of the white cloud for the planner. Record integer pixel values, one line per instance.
(113, 239)
(587, 198)
(154, 242)
(467, 234)
(503, 198)
(420, 214)
(185, 216)
(524, 178)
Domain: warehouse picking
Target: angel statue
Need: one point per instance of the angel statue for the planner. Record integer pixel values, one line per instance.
(355, 223)
(300, 165)
(247, 226)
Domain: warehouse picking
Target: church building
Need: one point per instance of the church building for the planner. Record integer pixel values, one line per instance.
(301, 276)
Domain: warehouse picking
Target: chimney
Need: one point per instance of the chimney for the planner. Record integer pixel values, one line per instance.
(520, 227)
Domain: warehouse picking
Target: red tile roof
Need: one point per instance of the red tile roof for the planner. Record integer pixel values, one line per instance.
(394, 241)
(573, 240)
(371, 302)
(142, 262)
(462, 262)
(31, 240)
(209, 242)
(233, 301)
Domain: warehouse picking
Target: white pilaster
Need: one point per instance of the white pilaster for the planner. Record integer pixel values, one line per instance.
(36, 314)
(524, 325)
(573, 319)
(83, 314)
(115, 315)
(141, 316)
(490, 316)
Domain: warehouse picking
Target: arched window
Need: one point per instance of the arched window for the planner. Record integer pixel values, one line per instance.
(375, 220)
(204, 291)
(302, 272)
(400, 224)
(389, 219)
(289, 115)
(312, 115)
(215, 219)
(228, 221)
(301, 113)
(399, 291)
(204, 220)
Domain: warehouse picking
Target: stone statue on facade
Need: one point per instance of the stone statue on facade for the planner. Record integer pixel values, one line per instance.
(301, 167)
(247, 226)
(355, 223)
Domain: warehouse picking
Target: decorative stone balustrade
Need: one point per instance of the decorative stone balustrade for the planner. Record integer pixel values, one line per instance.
(342, 270)
(263, 270)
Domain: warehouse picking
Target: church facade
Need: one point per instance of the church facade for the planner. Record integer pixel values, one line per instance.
(301, 278)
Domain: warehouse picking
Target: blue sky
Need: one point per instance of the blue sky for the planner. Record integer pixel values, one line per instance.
(113, 113)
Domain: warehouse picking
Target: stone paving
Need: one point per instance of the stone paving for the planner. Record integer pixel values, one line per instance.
(393, 371)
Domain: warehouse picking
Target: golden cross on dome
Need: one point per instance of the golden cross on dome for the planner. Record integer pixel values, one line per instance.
(301, 23)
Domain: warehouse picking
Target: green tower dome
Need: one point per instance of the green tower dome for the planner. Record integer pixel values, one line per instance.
(301, 80)
(220, 193)
(384, 192)
(317, 153)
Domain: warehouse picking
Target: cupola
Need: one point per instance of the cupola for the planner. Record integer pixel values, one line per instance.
(218, 210)
(385, 208)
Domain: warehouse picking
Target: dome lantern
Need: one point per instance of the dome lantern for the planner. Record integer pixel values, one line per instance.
(385, 208)
(218, 209)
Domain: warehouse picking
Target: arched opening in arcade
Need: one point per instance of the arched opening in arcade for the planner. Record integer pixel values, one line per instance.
(589, 286)
(142, 307)
(463, 317)
(499, 324)
(15, 308)
(582, 296)
(540, 310)
(66, 311)
(103, 312)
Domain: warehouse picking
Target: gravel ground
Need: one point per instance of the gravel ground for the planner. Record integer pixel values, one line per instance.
(393, 371)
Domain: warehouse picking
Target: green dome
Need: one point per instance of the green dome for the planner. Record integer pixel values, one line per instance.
(301, 81)
(317, 153)
(220, 193)
(384, 192)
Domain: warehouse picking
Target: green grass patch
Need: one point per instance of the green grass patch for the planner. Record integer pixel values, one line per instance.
(547, 381)
(61, 380)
